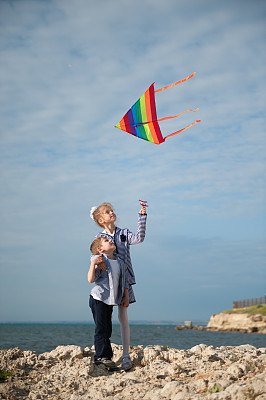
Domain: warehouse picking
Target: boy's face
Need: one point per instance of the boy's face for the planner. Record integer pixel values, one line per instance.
(107, 216)
(107, 246)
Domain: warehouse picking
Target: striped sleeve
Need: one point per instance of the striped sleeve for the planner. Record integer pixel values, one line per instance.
(135, 238)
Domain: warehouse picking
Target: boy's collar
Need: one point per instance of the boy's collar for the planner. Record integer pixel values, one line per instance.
(106, 258)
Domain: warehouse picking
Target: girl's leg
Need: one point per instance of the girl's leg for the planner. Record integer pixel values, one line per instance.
(124, 327)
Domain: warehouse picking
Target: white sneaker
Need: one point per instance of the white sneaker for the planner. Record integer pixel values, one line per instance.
(126, 363)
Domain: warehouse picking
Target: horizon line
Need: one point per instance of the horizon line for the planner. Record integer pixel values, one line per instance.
(146, 322)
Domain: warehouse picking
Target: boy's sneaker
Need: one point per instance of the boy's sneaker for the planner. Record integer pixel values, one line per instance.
(126, 363)
(109, 364)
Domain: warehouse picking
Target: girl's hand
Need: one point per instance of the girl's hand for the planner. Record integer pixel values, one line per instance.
(143, 211)
(124, 303)
(143, 204)
(125, 299)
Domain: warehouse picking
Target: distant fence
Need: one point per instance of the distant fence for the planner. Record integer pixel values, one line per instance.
(249, 302)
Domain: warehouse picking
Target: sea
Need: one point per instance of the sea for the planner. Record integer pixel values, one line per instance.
(44, 337)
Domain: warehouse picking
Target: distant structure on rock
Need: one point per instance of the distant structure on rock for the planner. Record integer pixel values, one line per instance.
(249, 302)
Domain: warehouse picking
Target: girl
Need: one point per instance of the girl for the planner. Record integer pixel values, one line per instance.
(105, 217)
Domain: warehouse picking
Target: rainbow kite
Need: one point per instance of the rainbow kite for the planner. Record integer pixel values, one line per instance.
(141, 120)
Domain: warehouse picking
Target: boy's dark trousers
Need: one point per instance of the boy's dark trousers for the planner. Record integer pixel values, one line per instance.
(102, 315)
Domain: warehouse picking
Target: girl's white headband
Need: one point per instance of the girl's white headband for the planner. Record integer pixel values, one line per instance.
(92, 211)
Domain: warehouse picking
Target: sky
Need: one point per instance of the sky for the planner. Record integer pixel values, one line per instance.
(69, 71)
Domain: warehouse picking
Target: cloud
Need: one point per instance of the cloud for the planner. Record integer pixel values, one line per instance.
(68, 74)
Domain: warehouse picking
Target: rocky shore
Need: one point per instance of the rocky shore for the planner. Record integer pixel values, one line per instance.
(229, 322)
(159, 373)
(250, 323)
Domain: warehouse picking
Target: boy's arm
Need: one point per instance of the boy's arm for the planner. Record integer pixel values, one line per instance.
(102, 265)
(91, 273)
(135, 238)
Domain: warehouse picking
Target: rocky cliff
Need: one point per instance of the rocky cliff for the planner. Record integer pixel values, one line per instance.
(239, 322)
(159, 373)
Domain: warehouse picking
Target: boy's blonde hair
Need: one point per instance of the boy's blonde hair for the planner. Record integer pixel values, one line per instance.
(98, 212)
(95, 245)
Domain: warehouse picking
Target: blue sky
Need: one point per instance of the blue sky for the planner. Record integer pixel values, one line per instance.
(68, 73)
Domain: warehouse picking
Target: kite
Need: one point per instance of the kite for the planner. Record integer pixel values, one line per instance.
(141, 120)
(143, 203)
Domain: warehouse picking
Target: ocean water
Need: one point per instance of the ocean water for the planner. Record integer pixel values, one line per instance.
(46, 337)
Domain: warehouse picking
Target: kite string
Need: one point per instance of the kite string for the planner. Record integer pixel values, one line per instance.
(176, 83)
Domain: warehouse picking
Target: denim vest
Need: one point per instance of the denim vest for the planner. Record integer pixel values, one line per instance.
(103, 289)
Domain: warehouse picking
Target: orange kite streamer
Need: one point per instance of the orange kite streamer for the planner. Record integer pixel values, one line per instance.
(141, 120)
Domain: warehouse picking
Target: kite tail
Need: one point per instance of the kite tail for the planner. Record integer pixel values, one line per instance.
(181, 130)
(175, 116)
(176, 83)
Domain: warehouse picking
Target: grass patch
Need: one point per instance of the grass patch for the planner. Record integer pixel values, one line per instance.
(260, 309)
(5, 374)
(216, 388)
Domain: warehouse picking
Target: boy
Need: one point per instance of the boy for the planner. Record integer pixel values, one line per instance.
(109, 290)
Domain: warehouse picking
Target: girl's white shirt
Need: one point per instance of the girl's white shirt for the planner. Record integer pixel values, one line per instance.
(110, 234)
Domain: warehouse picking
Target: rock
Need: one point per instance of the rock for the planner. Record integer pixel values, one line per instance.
(198, 386)
(259, 385)
(199, 348)
(220, 385)
(159, 373)
(17, 359)
(239, 322)
(64, 353)
(234, 372)
(170, 388)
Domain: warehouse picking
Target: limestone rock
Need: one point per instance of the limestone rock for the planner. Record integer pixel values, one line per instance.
(159, 373)
(64, 353)
(238, 322)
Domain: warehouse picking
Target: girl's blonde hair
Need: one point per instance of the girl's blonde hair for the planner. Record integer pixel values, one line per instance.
(98, 212)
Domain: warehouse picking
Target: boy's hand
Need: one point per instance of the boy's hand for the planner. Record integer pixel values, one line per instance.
(125, 299)
(100, 262)
(143, 210)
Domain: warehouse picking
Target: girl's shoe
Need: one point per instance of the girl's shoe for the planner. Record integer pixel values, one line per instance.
(126, 363)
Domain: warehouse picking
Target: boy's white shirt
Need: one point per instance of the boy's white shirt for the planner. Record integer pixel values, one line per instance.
(114, 276)
(115, 270)
(115, 267)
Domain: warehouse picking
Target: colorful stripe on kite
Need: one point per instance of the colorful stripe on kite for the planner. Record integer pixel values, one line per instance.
(141, 120)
